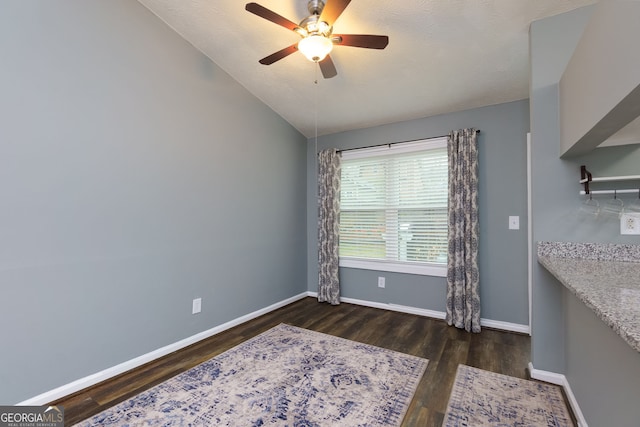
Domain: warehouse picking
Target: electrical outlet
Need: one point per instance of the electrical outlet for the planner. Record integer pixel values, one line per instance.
(630, 223)
(381, 282)
(197, 306)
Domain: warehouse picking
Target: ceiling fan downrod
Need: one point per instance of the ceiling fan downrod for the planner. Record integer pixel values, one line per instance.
(315, 7)
(311, 25)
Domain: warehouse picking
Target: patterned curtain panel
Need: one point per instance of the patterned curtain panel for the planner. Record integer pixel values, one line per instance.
(463, 284)
(328, 226)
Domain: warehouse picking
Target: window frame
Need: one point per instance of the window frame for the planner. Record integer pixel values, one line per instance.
(419, 268)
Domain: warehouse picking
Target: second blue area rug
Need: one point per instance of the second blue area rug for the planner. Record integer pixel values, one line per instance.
(487, 399)
(287, 376)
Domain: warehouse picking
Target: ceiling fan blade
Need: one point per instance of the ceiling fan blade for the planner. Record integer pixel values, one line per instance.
(269, 15)
(328, 68)
(361, 40)
(332, 10)
(268, 60)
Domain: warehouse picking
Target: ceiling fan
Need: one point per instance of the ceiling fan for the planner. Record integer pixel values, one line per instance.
(317, 35)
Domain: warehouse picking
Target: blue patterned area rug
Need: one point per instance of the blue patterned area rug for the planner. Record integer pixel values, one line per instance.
(482, 398)
(286, 376)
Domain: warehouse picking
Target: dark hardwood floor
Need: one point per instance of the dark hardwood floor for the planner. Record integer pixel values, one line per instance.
(444, 346)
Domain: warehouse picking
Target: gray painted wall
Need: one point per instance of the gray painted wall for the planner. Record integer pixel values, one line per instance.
(502, 174)
(605, 68)
(563, 334)
(602, 368)
(135, 176)
(550, 52)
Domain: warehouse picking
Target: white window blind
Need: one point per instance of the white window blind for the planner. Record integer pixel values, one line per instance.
(393, 207)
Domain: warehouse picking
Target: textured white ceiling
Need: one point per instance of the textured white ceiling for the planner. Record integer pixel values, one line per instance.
(443, 56)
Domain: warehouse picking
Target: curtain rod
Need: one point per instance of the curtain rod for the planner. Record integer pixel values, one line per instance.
(389, 144)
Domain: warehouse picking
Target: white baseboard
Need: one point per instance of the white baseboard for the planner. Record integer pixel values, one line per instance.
(387, 306)
(561, 380)
(506, 326)
(495, 324)
(103, 375)
(111, 372)
(396, 307)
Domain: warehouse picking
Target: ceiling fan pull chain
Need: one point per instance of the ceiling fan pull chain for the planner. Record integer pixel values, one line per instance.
(315, 101)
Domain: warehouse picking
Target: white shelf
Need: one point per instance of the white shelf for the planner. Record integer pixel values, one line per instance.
(625, 191)
(611, 178)
(586, 178)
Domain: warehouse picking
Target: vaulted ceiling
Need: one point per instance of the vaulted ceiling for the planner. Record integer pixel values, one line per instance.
(443, 56)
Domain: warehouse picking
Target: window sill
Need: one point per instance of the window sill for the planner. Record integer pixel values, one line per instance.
(396, 267)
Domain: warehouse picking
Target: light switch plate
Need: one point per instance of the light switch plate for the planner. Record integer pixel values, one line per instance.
(197, 306)
(514, 223)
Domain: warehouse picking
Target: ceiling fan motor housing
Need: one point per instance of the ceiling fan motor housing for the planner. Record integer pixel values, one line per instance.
(313, 26)
(315, 7)
(312, 23)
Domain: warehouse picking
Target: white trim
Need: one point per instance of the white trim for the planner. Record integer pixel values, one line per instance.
(546, 376)
(396, 267)
(506, 326)
(495, 324)
(388, 306)
(529, 232)
(561, 380)
(396, 307)
(103, 375)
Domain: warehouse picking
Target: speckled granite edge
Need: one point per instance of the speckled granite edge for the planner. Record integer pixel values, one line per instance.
(568, 273)
(590, 251)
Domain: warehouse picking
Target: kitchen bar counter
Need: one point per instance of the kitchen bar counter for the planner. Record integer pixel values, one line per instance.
(605, 277)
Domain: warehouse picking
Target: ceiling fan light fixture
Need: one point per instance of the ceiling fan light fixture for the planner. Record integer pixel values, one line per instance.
(317, 35)
(315, 47)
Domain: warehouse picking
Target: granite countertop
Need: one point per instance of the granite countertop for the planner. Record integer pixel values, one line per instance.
(605, 277)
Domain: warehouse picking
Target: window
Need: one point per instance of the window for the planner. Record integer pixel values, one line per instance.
(393, 208)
